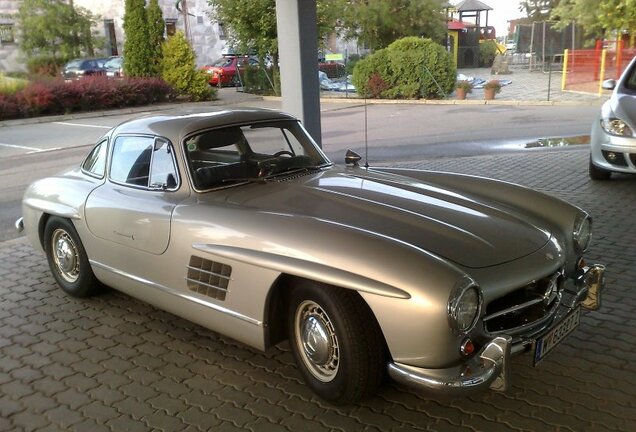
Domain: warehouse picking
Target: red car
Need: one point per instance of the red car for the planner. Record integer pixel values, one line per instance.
(223, 71)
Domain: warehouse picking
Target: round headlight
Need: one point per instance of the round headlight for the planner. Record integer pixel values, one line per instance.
(464, 306)
(582, 232)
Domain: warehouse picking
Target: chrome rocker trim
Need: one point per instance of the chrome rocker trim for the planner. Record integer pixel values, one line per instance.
(489, 368)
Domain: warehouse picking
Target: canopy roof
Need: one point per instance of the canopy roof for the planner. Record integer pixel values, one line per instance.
(472, 5)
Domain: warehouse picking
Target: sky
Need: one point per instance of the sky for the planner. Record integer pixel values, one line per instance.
(503, 11)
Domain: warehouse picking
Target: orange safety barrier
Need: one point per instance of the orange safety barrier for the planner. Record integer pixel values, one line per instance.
(584, 70)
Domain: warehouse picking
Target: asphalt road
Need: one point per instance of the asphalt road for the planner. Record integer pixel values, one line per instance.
(395, 132)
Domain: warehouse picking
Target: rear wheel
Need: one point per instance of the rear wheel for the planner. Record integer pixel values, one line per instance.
(336, 342)
(67, 258)
(597, 173)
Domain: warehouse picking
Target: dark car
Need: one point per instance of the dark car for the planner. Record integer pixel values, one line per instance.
(114, 67)
(80, 68)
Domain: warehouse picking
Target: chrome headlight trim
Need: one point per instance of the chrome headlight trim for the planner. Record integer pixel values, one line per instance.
(616, 127)
(582, 232)
(459, 300)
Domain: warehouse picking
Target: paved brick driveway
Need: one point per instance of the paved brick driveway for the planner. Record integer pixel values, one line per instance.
(113, 363)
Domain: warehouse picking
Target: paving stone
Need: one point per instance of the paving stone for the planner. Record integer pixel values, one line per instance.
(64, 416)
(133, 367)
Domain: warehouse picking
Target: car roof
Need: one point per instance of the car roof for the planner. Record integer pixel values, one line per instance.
(175, 127)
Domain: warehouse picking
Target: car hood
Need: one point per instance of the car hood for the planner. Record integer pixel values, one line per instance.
(458, 227)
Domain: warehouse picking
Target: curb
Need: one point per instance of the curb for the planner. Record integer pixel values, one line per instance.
(510, 102)
(114, 112)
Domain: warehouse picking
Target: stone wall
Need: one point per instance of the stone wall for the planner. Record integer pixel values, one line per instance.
(203, 33)
(9, 52)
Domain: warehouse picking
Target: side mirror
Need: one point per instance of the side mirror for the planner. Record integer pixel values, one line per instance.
(352, 158)
(609, 84)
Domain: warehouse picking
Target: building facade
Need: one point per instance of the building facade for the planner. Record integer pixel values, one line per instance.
(207, 37)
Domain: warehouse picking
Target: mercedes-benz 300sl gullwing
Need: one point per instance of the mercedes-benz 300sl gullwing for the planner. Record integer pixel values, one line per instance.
(237, 221)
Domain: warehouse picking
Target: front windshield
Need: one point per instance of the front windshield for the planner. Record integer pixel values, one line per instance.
(114, 63)
(223, 62)
(238, 154)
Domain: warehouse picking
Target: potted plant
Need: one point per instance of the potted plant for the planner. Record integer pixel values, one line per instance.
(462, 88)
(491, 88)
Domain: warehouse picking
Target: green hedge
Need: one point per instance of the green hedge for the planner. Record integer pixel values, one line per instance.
(410, 68)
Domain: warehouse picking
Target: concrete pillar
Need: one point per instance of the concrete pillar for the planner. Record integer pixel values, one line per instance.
(298, 50)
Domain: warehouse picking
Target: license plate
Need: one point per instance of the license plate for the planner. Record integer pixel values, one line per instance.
(545, 344)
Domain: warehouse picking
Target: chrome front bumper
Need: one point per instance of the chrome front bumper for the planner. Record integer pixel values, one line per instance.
(489, 368)
(19, 225)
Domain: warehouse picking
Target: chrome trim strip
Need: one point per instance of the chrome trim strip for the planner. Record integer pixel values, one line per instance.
(209, 272)
(303, 268)
(194, 281)
(513, 309)
(182, 295)
(537, 323)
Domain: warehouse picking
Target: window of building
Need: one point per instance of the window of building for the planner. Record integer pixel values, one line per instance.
(171, 27)
(222, 31)
(7, 33)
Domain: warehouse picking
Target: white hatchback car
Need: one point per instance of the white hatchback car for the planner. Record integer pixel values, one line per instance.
(613, 137)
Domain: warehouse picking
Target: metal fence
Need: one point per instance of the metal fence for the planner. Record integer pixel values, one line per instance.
(585, 70)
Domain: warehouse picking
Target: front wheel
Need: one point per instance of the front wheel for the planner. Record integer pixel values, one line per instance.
(336, 342)
(597, 173)
(67, 258)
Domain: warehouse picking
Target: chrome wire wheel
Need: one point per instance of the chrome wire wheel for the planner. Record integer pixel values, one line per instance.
(316, 340)
(65, 255)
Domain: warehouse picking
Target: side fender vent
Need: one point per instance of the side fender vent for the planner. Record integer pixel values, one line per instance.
(208, 277)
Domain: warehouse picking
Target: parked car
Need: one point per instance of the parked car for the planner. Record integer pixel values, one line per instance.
(613, 137)
(237, 221)
(223, 72)
(114, 67)
(80, 68)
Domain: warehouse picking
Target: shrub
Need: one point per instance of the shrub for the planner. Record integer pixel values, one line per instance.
(412, 67)
(376, 86)
(34, 99)
(8, 106)
(332, 69)
(91, 93)
(259, 80)
(487, 52)
(45, 65)
(179, 69)
(11, 85)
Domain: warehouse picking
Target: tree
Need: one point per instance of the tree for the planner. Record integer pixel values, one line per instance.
(618, 15)
(156, 28)
(138, 52)
(596, 17)
(56, 31)
(178, 68)
(377, 23)
(538, 10)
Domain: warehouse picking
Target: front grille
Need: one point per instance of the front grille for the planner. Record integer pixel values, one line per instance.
(526, 308)
(632, 157)
(208, 277)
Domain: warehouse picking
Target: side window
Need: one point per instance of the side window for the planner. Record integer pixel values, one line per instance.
(163, 173)
(95, 162)
(130, 163)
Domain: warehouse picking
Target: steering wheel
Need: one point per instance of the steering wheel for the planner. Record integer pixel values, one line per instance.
(283, 152)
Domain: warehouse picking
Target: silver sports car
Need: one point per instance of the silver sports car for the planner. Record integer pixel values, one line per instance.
(613, 136)
(237, 221)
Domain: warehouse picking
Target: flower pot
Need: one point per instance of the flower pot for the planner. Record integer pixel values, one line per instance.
(489, 93)
(460, 93)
